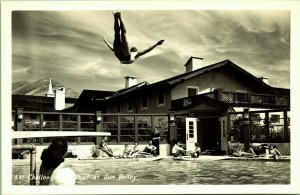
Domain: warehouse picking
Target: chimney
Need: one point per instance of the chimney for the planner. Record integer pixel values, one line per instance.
(194, 63)
(264, 79)
(130, 81)
(59, 99)
(50, 90)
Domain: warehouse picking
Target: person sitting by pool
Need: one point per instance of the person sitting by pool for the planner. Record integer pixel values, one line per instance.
(103, 146)
(134, 151)
(126, 151)
(272, 152)
(150, 148)
(177, 150)
(240, 153)
(196, 152)
(52, 169)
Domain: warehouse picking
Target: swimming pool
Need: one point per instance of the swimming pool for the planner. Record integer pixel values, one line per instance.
(169, 172)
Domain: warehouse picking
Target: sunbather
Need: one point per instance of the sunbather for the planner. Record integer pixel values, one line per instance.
(134, 151)
(126, 151)
(196, 152)
(150, 148)
(240, 153)
(103, 146)
(177, 150)
(272, 152)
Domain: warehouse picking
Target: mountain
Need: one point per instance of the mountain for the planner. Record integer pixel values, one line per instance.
(40, 88)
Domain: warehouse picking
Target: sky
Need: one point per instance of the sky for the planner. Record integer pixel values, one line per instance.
(68, 47)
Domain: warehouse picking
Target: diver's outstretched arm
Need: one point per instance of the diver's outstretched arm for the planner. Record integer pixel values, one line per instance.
(108, 44)
(149, 49)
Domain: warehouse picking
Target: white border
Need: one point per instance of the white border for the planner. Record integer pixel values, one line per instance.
(7, 7)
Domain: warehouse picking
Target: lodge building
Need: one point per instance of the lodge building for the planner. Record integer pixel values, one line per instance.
(206, 104)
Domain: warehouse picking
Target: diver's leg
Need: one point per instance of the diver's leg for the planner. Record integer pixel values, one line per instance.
(125, 46)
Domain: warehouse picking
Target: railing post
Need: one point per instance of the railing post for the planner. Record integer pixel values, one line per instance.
(60, 122)
(136, 129)
(98, 122)
(41, 126)
(78, 127)
(33, 167)
(285, 127)
(267, 119)
(118, 129)
(246, 125)
(19, 122)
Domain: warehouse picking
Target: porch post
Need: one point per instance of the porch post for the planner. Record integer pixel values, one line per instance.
(285, 130)
(246, 125)
(172, 130)
(98, 120)
(19, 121)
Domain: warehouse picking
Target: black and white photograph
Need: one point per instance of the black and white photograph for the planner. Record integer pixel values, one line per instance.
(148, 96)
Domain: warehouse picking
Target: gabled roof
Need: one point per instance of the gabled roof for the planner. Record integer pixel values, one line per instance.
(173, 81)
(130, 89)
(96, 94)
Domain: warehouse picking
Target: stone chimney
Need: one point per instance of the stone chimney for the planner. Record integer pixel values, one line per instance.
(264, 79)
(130, 81)
(194, 63)
(59, 99)
(50, 90)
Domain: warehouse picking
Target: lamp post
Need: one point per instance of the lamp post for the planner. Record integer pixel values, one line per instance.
(246, 125)
(172, 129)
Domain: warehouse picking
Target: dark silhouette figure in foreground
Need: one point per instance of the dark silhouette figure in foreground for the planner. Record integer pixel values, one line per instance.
(121, 48)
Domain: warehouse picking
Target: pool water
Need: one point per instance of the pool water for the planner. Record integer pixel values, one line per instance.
(170, 172)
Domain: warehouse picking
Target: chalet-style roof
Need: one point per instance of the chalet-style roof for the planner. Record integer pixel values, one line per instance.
(96, 94)
(36, 103)
(129, 89)
(173, 81)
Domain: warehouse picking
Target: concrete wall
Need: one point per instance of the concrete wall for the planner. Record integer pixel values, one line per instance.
(85, 150)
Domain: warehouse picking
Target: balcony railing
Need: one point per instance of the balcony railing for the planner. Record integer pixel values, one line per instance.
(249, 99)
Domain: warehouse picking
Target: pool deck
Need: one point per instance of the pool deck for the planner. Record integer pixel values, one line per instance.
(23, 162)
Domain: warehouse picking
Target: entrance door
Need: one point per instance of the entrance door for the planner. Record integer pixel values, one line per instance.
(191, 133)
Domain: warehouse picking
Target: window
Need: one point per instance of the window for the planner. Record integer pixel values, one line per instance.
(144, 102)
(130, 106)
(275, 118)
(191, 91)
(161, 98)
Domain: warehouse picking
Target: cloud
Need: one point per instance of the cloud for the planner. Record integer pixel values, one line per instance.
(68, 44)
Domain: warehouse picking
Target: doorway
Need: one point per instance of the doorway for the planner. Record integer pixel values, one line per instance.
(209, 136)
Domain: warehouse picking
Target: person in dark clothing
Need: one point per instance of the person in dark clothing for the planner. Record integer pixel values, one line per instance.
(52, 170)
(155, 140)
(121, 47)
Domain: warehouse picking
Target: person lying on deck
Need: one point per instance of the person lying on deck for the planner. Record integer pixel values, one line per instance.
(177, 150)
(272, 152)
(196, 152)
(240, 153)
(134, 151)
(150, 148)
(103, 146)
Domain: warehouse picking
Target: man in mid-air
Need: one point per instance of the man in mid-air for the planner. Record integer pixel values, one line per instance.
(121, 48)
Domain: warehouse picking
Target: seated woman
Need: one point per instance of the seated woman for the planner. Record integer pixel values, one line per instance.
(177, 150)
(103, 146)
(151, 149)
(134, 151)
(196, 152)
(272, 152)
(126, 151)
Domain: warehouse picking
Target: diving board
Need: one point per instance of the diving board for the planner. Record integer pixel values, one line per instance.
(29, 134)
